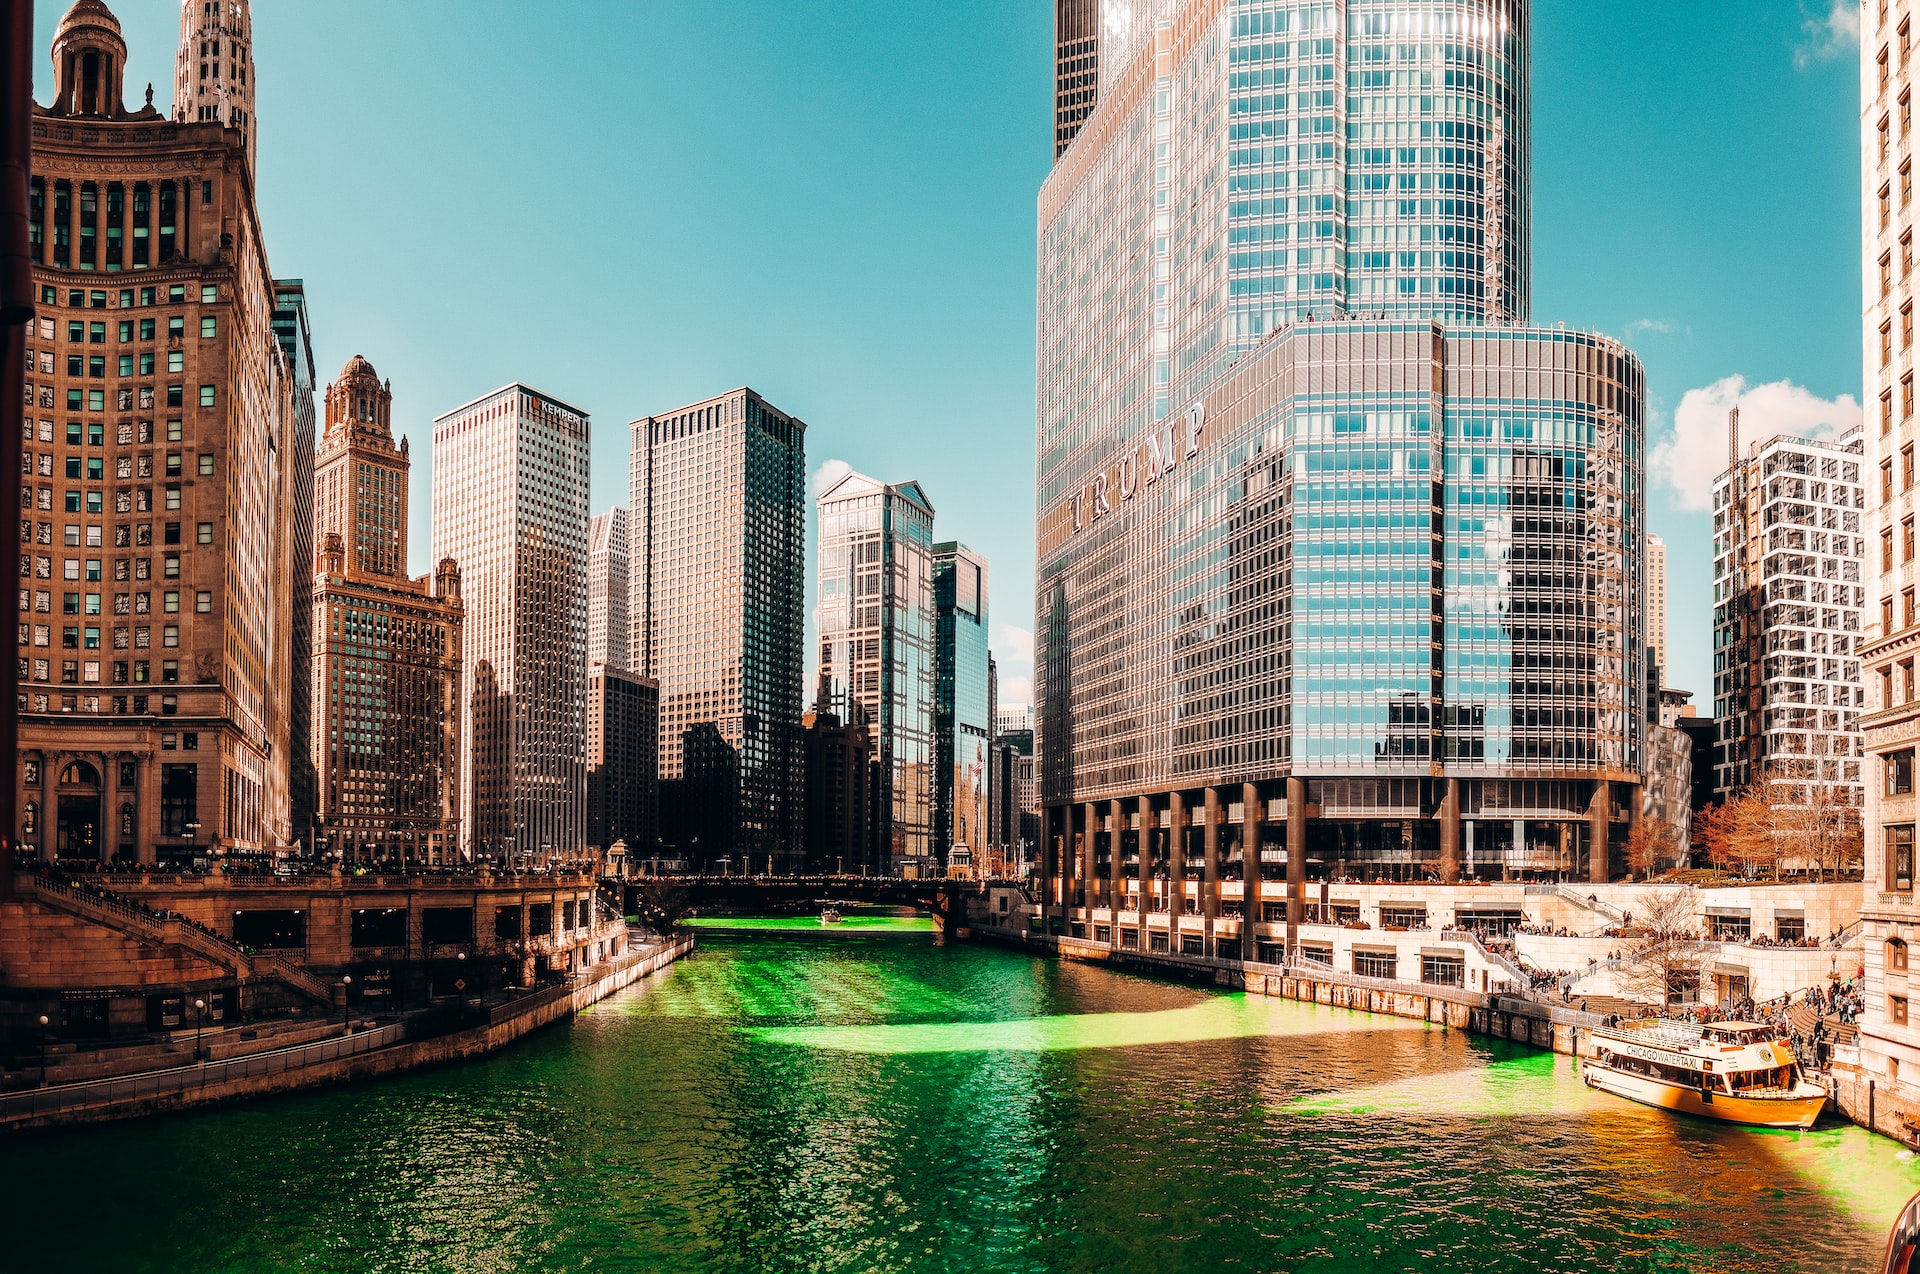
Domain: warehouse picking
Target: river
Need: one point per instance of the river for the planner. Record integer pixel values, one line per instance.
(870, 1100)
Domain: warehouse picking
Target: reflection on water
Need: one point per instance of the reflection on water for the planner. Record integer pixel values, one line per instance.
(784, 1102)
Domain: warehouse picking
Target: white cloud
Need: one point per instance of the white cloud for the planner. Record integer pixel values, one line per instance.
(1830, 35)
(1689, 458)
(1661, 327)
(1016, 644)
(1015, 691)
(829, 472)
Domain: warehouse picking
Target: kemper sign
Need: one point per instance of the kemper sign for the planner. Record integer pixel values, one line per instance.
(1140, 465)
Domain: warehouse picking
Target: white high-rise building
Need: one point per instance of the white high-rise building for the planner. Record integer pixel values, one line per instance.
(1786, 614)
(1889, 1038)
(510, 505)
(608, 630)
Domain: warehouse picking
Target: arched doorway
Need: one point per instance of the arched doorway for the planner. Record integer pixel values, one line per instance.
(79, 829)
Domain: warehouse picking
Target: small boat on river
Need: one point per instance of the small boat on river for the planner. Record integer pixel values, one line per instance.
(1738, 1072)
(831, 916)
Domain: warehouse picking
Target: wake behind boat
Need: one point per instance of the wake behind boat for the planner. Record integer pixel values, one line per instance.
(1737, 1072)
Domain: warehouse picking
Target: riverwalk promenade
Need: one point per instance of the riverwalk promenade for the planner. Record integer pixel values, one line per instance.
(451, 1031)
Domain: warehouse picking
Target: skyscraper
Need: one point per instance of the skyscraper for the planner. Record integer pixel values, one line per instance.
(1076, 67)
(876, 622)
(962, 705)
(386, 648)
(1786, 682)
(295, 333)
(1326, 542)
(609, 632)
(156, 625)
(1657, 603)
(717, 531)
(213, 80)
(510, 505)
(1889, 1031)
(623, 760)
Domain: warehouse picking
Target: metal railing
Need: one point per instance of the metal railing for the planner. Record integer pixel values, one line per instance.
(90, 1094)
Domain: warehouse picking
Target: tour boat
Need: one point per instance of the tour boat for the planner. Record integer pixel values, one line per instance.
(1739, 1072)
(831, 916)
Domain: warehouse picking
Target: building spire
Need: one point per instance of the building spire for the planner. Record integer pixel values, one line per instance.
(213, 79)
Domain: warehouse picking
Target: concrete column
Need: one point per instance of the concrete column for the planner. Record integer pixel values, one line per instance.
(1450, 834)
(1116, 870)
(49, 804)
(1176, 865)
(1598, 816)
(1296, 863)
(1252, 906)
(1210, 879)
(146, 811)
(1084, 870)
(109, 831)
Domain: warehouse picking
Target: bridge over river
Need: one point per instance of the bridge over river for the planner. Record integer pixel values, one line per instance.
(942, 898)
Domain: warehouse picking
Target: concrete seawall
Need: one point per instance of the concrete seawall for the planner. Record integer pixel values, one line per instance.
(373, 1054)
(1506, 1017)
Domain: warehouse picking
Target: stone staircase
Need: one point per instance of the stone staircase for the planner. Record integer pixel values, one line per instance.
(1613, 914)
(104, 907)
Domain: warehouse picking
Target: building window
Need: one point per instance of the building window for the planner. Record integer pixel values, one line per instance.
(1375, 964)
(1896, 955)
(1897, 1010)
(206, 395)
(1900, 773)
(1899, 849)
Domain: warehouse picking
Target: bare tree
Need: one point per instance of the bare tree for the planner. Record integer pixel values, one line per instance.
(661, 903)
(1819, 830)
(1650, 841)
(1664, 956)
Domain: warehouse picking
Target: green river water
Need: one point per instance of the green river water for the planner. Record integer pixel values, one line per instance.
(850, 1100)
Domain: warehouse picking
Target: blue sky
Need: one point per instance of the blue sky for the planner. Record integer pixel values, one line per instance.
(636, 204)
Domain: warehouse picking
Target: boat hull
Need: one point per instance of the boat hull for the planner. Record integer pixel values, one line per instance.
(1760, 1112)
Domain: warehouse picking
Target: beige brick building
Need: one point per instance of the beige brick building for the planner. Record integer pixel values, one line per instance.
(157, 574)
(386, 648)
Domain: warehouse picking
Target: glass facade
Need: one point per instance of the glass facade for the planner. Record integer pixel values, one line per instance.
(961, 706)
(876, 623)
(1385, 549)
(1327, 538)
(716, 523)
(1252, 163)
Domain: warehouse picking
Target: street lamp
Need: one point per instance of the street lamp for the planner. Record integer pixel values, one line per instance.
(199, 1024)
(193, 835)
(460, 972)
(346, 988)
(43, 1050)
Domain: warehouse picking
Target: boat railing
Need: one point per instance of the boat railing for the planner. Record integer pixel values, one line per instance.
(1675, 1035)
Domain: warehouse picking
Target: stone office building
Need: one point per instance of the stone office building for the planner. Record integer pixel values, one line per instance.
(510, 506)
(1339, 564)
(716, 523)
(155, 633)
(387, 648)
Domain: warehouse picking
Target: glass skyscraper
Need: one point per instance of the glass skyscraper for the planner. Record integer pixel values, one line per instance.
(962, 707)
(876, 622)
(1339, 564)
(716, 523)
